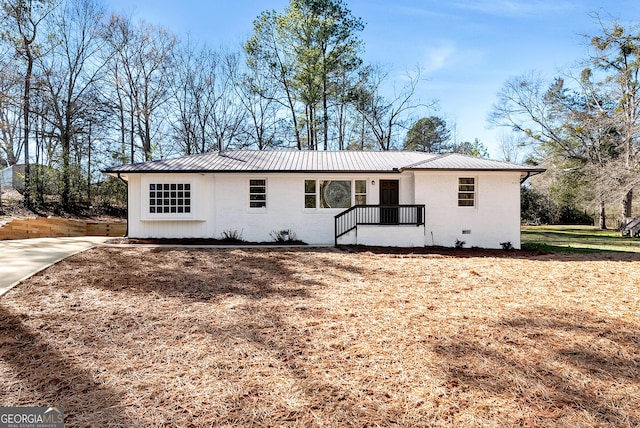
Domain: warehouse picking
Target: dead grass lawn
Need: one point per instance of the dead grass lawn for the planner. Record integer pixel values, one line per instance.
(275, 337)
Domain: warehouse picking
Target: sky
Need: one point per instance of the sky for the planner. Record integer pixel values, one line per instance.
(467, 48)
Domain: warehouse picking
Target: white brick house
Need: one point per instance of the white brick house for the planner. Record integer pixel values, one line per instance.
(346, 197)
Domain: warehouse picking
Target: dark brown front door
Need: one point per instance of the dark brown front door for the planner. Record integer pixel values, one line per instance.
(389, 196)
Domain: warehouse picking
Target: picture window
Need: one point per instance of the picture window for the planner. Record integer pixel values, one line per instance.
(334, 193)
(163, 198)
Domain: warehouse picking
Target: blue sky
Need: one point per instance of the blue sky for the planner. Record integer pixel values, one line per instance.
(468, 48)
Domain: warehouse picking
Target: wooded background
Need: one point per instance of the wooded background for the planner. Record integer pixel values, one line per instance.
(82, 88)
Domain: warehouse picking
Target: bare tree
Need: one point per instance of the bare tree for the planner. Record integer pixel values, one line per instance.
(24, 17)
(617, 54)
(118, 88)
(511, 145)
(10, 113)
(258, 98)
(384, 116)
(229, 113)
(210, 113)
(69, 72)
(346, 118)
(192, 98)
(143, 78)
(574, 123)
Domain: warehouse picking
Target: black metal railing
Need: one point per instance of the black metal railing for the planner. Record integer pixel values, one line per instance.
(357, 215)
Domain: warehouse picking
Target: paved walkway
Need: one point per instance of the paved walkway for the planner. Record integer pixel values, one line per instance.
(21, 258)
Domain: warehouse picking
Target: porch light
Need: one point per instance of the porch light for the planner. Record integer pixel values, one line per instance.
(373, 182)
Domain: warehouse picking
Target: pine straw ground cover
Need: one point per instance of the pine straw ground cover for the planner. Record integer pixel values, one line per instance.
(277, 337)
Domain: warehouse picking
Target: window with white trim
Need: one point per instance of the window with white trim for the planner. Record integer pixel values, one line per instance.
(466, 192)
(310, 197)
(360, 192)
(257, 193)
(334, 193)
(169, 198)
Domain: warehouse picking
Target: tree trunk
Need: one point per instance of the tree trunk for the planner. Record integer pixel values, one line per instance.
(627, 211)
(294, 118)
(66, 171)
(325, 119)
(309, 136)
(123, 132)
(26, 108)
(89, 195)
(362, 133)
(341, 127)
(132, 138)
(603, 216)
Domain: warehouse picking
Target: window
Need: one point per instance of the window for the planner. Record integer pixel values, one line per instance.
(361, 192)
(466, 192)
(310, 194)
(335, 194)
(257, 193)
(165, 198)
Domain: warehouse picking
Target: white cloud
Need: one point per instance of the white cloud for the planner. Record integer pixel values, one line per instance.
(440, 56)
(447, 54)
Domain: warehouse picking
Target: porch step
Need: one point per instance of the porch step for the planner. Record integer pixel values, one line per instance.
(378, 215)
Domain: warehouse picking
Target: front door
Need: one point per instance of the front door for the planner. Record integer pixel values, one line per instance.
(389, 199)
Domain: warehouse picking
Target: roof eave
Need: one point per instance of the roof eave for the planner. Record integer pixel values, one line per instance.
(114, 172)
(522, 170)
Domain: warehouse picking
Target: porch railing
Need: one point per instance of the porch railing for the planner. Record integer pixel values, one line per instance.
(380, 215)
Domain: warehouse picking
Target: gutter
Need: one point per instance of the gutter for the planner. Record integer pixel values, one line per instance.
(530, 174)
(254, 171)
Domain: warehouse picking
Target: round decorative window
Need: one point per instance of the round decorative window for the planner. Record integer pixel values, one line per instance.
(336, 194)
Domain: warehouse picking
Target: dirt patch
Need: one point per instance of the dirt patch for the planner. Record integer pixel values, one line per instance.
(308, 337)
(12, 206)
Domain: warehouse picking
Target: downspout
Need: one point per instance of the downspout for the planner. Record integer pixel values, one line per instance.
(126, 183)
(522, 180)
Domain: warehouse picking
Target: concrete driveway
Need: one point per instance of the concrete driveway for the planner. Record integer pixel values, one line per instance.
(21, 258)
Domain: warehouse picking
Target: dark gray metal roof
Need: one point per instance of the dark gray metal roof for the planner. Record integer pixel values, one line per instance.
(316, 161)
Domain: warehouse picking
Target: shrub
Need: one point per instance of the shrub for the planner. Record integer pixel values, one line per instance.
(572, 215)
(231, 236)
(285, 235)
(506, 245)
(459, 244)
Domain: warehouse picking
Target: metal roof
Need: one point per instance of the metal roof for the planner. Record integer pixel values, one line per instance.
(457, 161)
(317, 161)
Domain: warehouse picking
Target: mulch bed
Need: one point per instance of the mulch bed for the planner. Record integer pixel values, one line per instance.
(198, 241)
(152, 337)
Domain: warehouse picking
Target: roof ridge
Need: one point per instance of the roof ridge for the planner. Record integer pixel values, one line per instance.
(317, 161)
(436, 156)
(505, 162)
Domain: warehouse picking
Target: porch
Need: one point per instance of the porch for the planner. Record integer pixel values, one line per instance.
(384, 225)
